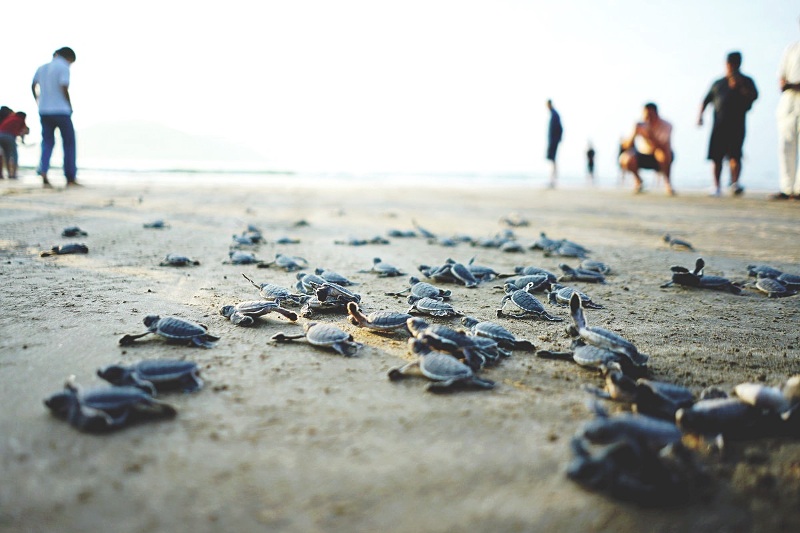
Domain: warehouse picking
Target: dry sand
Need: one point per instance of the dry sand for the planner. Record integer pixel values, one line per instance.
(291, 438)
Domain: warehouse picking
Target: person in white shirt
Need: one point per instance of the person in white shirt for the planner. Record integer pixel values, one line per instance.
(789, 124)
(649, 147)
(50, 89)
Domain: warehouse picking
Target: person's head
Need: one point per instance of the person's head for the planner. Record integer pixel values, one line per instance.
(21, 114)
(66, 52)
(5, 111)
(549, 104)
(650, 112)
(733, 62)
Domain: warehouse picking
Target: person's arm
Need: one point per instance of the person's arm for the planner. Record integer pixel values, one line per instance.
(33, 90)
(707, 100)
(65, 90)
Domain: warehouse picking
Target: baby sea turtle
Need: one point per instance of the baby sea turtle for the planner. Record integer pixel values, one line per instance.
(492, 330)
(726, 417)
(600, 337)
(791, 281)
(763, 271)
(174, 329)
(580, 274)
(105, 408)
(422, 231)
(595, 266)
(238, 257)
(384, 270)
(155, 224)
(287, 262)
(177, 260)
(245, 313)
(476, 351)
(677, 243)
(429, 306)
(593, 357)
(527, 303)
(381, 321)
(275, 293)
(447, 373)
(156, 375)
(73, 231)
(696, 278)
(326, 336)
(307, 283)
(561, 295)
(773, 288)
(532, 270)
(421, 289)
(333, 277)
(539, 283)
(72, 248)
(567, 249)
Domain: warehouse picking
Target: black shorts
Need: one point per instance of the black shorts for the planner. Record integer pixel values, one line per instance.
(726, 141)
(551, 151)
(648, 161)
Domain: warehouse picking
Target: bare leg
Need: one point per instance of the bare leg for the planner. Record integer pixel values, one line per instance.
(627, 163)
(736, 170)
(717, 171)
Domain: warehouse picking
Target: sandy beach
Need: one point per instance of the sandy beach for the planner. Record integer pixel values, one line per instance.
(288, 437)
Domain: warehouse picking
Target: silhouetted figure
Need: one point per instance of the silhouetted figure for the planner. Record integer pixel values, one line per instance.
(789, 123)
(732, 96)
(590, 162)
(554, 133)
(649, 147)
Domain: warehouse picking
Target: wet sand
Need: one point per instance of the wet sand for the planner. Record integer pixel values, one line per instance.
(287, 437)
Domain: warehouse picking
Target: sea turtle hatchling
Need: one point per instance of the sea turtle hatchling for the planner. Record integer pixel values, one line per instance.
(421, 289)
(560, 295)
(527, 304)
(326, 336)
(239, 257)
(696, 278)
(177, 260)
(600, 337)
(275, 293)
(540, 283)
(580, 274)
(72, 248)
(763, 271)
(593, 357)
(245, 313)
(429, 306)
(476, 351)
(384, 270)
(155, 375)
(492, 330)
(287, 262)
(155, 224)
(380, 321)
(333, 277)
(772, 288)
(104, 409)
(677, 243)
(73, 231)
(174, 329)
(445, 371)
(595, 266)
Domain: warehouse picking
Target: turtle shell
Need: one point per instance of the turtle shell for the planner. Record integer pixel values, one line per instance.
(325, 334)
(440, 366)
(174, 328)
(772, 287)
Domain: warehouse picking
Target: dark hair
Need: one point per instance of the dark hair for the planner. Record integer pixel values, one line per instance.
(735, 59)
(651, 106)
(66, 52)
(21, 114)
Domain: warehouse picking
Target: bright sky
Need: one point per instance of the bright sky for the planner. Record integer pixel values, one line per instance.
(430, 85)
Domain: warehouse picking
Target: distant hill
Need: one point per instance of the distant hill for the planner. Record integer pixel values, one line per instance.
(150, 141)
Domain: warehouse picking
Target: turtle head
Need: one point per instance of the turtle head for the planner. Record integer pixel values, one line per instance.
(469, 321)
(149, 320)
(227, 311)
(418, 347)
(413, 280)
(114, 374)
(416, 324)
(61, 403)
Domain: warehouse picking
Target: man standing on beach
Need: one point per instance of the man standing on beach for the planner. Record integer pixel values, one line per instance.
(655, 151)
(732, 96)
(55, 112)
(554, 133)
(789, 123)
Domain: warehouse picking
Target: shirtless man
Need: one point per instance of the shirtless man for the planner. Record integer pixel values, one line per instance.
(649, 147)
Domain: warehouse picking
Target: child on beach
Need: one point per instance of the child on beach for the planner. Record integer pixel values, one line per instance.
(11, 127)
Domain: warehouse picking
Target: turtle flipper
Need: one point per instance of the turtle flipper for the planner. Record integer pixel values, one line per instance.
(547, 354)
(401, 372)
(241, 320)
(291, 315)
(282, 337)
(127, 340)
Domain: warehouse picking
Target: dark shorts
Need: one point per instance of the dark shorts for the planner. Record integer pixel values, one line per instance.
(8, 143)
(726, 141)
(551, 151)
(648, 161)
